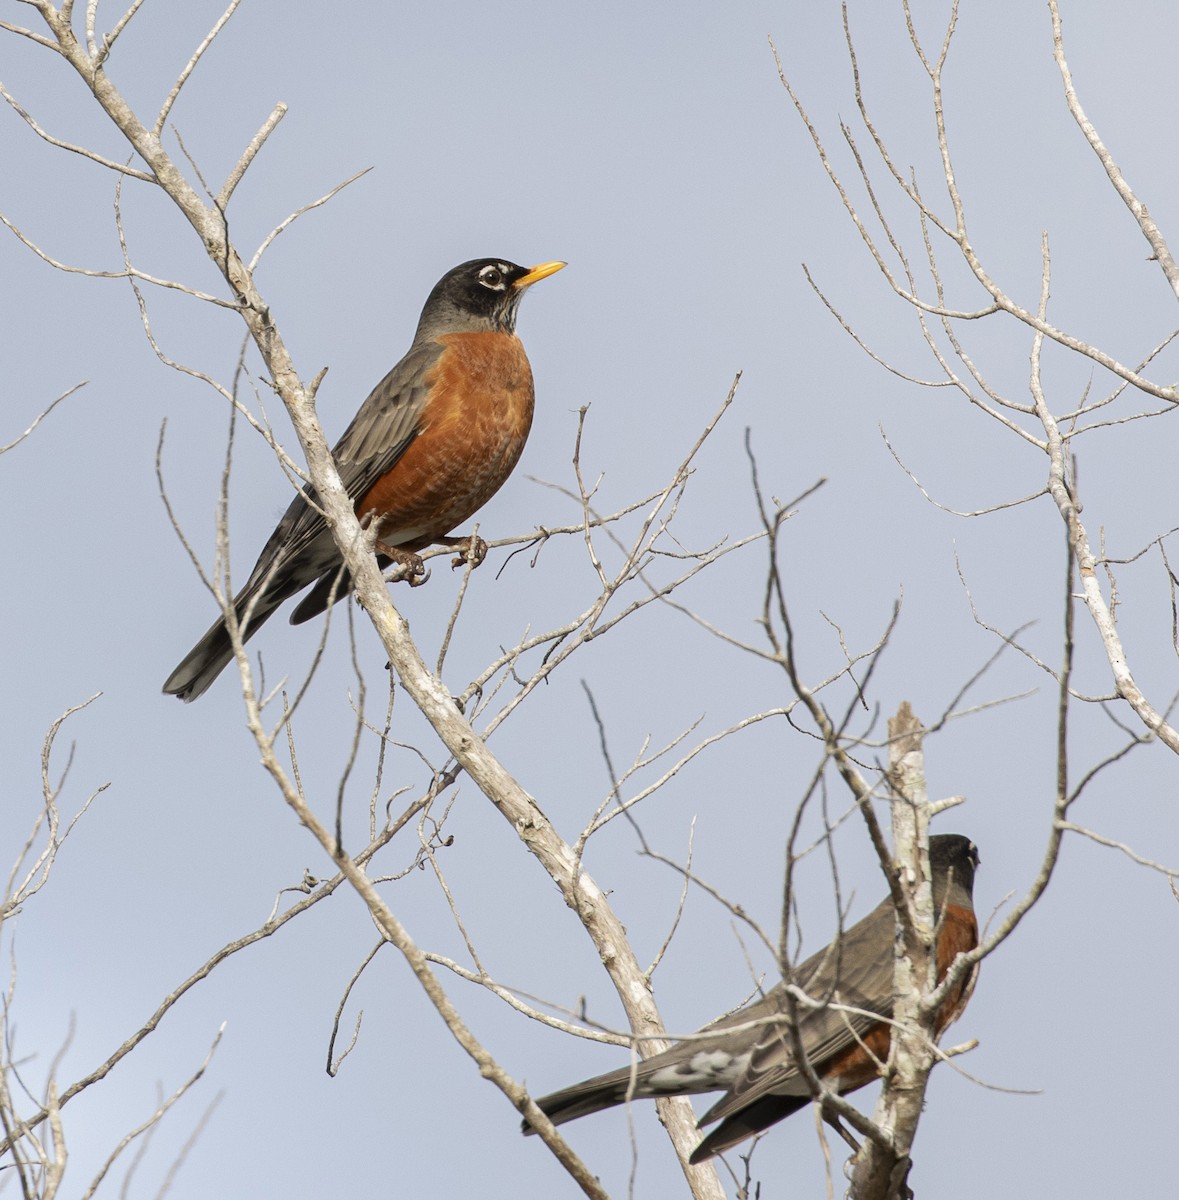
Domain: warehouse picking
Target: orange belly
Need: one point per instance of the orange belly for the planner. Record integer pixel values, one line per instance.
(857, 1065)
(959, 935)
(472, 434)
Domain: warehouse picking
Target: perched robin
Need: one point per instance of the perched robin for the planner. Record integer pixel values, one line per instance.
(756, 1065)
(434, 441)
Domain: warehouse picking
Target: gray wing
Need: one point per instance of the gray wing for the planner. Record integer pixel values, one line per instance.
(301, 548)
(857, 970)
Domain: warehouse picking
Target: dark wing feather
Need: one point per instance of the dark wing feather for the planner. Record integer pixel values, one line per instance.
(301, 550)
(856, 970)
(388, 420)
(378, 436)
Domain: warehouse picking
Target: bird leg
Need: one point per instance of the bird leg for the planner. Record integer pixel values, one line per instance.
(471, 550)
(412, 567)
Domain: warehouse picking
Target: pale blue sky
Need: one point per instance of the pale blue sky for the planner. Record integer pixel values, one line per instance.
(652, 147)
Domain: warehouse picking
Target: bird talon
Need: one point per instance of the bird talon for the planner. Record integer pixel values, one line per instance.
(472, 550)
(409, 565)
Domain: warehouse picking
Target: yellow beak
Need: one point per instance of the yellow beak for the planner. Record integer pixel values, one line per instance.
(543, 271)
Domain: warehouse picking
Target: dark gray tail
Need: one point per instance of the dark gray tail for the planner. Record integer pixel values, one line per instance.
(753, 1118)
(213, 653)
(603, 1091)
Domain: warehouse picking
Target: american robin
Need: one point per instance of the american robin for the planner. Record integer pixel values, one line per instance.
(756, 1065)
(434, 441)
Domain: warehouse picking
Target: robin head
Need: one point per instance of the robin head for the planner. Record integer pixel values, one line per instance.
(479, 296)
(952, 860)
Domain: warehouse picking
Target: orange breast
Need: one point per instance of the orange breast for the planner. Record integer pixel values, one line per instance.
(959, 935)
(856, 1066)
(473, 431)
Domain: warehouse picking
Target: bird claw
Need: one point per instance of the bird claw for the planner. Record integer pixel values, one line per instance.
(413, 570)
(472, 550)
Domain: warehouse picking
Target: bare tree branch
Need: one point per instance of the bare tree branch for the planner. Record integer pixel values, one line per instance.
(1161, 252)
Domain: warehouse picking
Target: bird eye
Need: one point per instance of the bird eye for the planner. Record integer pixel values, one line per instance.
(491, 277)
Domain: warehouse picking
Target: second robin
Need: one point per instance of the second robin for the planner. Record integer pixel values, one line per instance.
(434, 441)
(749, 1053)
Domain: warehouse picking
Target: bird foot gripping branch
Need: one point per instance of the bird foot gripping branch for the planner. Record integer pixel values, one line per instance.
(407, 566)
(472, 550)
(434, 441)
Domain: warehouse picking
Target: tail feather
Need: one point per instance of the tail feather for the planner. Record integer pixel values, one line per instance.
(590, 1096)
(753, 1118)
(316, 600)
(213, 653)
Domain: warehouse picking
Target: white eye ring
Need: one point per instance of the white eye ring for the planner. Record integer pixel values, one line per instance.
(492, 277)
